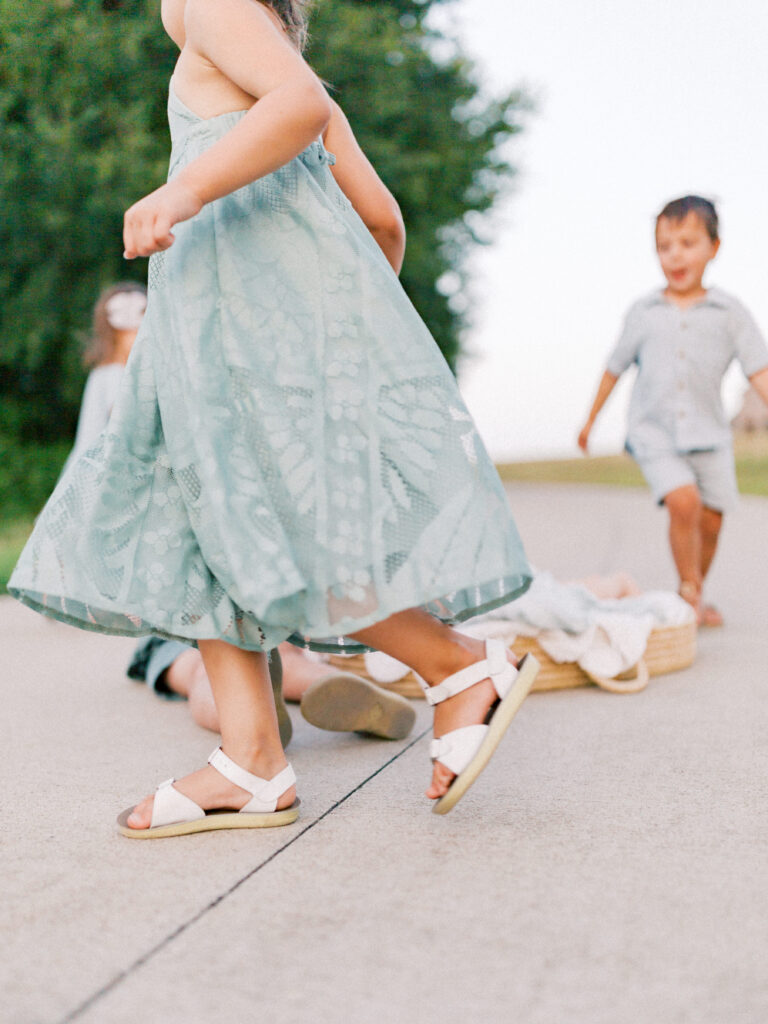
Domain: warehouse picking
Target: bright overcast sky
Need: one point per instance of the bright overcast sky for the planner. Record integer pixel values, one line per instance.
(637, 103)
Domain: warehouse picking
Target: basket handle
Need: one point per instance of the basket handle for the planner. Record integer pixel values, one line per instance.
(634, 685)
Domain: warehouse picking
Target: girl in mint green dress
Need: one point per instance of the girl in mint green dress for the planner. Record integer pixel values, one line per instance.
(289, 456)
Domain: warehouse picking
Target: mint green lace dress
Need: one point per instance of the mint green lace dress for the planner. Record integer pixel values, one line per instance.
(289, 456)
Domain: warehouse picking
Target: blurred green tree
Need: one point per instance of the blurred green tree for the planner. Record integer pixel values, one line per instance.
(83, 133)
(434, 137)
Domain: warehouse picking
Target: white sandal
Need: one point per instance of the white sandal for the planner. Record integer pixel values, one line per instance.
(174, 814)
(466, 751)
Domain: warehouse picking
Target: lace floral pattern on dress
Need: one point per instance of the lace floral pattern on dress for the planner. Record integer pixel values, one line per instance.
(289, 456)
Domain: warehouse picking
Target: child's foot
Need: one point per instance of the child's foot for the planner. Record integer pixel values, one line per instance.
(711, 617)
(212, 791)
(469, 707)
(691, 593)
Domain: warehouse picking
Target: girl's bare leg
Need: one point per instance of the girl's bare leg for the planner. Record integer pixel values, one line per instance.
(187, 676)
(435, 651)
(248, 724)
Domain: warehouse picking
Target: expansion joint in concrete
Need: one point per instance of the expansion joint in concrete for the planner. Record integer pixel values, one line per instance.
(78, 1012)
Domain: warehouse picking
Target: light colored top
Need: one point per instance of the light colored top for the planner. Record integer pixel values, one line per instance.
(682, 356)
(98, 398)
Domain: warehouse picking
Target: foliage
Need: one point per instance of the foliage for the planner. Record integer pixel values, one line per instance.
(82, 129)
(83, 133)
(28, 473)
(429, 131)
(622, 471)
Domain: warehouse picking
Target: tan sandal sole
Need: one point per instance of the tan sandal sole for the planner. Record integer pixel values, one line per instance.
(213, 821)
(528, 669)
(343, 702)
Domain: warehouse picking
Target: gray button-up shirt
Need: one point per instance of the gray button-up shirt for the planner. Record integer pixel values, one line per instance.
(682, 356)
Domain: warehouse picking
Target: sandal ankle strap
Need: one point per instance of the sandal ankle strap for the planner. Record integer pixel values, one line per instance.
(495, 666)
(264, 789)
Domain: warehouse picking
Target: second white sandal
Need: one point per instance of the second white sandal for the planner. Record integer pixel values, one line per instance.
(468, 750)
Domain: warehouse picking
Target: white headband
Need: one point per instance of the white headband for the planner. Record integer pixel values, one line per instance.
(125, 310)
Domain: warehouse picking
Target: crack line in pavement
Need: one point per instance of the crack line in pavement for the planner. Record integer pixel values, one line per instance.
(146, 957)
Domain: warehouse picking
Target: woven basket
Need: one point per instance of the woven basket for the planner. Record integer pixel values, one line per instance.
(669, 649)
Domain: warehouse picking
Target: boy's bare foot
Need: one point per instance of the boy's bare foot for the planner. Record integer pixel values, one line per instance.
(706, 614)
(211, 791)
(710, 616)
(691, 593)
(470, 707)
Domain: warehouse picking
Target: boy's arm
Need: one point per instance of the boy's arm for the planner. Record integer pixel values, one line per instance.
(625, 353)
(759, 382)
(605, 387)
(374, 203)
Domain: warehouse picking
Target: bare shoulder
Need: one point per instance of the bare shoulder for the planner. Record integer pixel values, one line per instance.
(235, 52)
(202, 15)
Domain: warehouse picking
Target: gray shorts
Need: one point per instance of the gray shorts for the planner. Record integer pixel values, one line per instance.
(152, 657)
(712, 472)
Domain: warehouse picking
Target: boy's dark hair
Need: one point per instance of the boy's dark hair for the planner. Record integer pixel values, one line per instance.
(679, 209)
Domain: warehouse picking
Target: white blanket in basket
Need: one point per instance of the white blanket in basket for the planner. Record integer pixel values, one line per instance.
(605, 637)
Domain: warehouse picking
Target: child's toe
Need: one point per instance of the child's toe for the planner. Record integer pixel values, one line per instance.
(141, 815)
(442, 778)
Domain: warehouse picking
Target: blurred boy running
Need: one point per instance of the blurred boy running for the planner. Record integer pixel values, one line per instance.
(683, 338)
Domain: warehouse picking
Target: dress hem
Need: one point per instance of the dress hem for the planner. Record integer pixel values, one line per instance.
(321, 644)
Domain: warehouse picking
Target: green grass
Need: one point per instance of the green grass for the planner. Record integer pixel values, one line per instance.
(13, 536)
(618, 470)
(621, 471)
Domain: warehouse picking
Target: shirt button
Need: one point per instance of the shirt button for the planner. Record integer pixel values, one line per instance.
(680, 386)
(681, 415)
(683, 324)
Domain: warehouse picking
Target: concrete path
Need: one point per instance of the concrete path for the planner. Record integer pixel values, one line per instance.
(609, 867)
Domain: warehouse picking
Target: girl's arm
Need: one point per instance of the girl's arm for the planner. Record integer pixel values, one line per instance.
(606, 386)
(240, 39)
(368, 194)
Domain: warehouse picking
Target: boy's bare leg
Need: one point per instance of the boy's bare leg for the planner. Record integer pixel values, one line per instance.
(711, 524)
(242, 692)
(435, 651)
(685, 508)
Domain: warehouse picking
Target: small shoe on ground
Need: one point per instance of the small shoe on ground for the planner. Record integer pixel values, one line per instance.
(174, 814)
(343, 702)
(466, 751)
